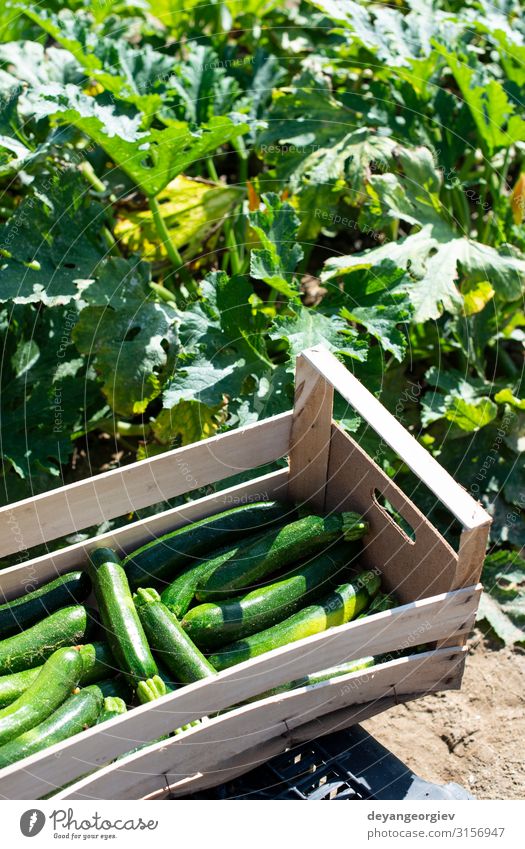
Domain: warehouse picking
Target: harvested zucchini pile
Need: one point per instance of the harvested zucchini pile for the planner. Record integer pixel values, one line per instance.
(183, 607)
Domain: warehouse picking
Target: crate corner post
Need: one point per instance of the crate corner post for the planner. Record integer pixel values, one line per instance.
(310, 435)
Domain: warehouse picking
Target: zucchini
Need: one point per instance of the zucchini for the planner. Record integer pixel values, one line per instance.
(19, 613)
(124, 631)
(245, 566)
(177, 651)
(12, 686)
(66, 627)
(118, 687)
(59, 675)
(113, 706)
(161, 559)
(344, 604)
(97, 661)
(317, 677)
(179, 594)
(78, 712)
(215, 624)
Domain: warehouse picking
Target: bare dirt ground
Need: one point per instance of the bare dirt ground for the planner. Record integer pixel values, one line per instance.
(473, 736)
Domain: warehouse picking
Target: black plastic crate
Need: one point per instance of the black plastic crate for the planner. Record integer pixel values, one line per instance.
(347, 764)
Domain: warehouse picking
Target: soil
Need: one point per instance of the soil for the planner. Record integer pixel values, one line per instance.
(473, 736)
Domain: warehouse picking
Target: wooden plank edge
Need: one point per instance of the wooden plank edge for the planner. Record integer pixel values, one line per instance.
(45, 567)
(21, 523)
(287, 709)
(252, 758)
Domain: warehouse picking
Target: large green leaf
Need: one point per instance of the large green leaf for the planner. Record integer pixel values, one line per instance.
(434, 255)
(203, 86)
(460, 400)
(129, 338)
(222, 345)
(46, 393)
(503, 602)
(395, 37)
(494, 114)
(152, 158)
(137, 75)
(319, 152)
(378, 301)
(303, 328)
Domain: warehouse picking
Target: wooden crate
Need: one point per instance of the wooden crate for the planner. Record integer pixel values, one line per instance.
(438, 589)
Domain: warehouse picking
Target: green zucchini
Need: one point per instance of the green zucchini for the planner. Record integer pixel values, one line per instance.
(176, 650)
(78, 712)
(19, 613)
(245, 566)
(161, 559)
(12, 686)
(113, 706)
(179, 594)
(118, 687)
(66, 627)
(97, 661)
(317, 677)
(215, 624)
(339, 607)
(57, 679)
(124, 631)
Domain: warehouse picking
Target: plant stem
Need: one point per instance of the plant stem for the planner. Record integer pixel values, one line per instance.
(110, 240)
(163, 293)
(87, 170)
(212, 171)
(165, 238)
(242, 155)
(229, 238)
(120, 428)
(459, 203)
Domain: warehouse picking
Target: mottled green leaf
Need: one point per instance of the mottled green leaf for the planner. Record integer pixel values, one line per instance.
(276, 226)
(152, 158)
(52, 244)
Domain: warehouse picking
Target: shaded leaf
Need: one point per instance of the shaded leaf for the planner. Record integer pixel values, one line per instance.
(52, 244)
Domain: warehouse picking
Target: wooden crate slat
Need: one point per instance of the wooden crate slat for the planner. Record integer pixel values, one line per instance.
(17, 579)
(326, 724)
(117, 492)
(402, 627)
(219, 740)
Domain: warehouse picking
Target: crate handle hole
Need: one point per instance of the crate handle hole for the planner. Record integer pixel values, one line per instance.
(394, 515)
